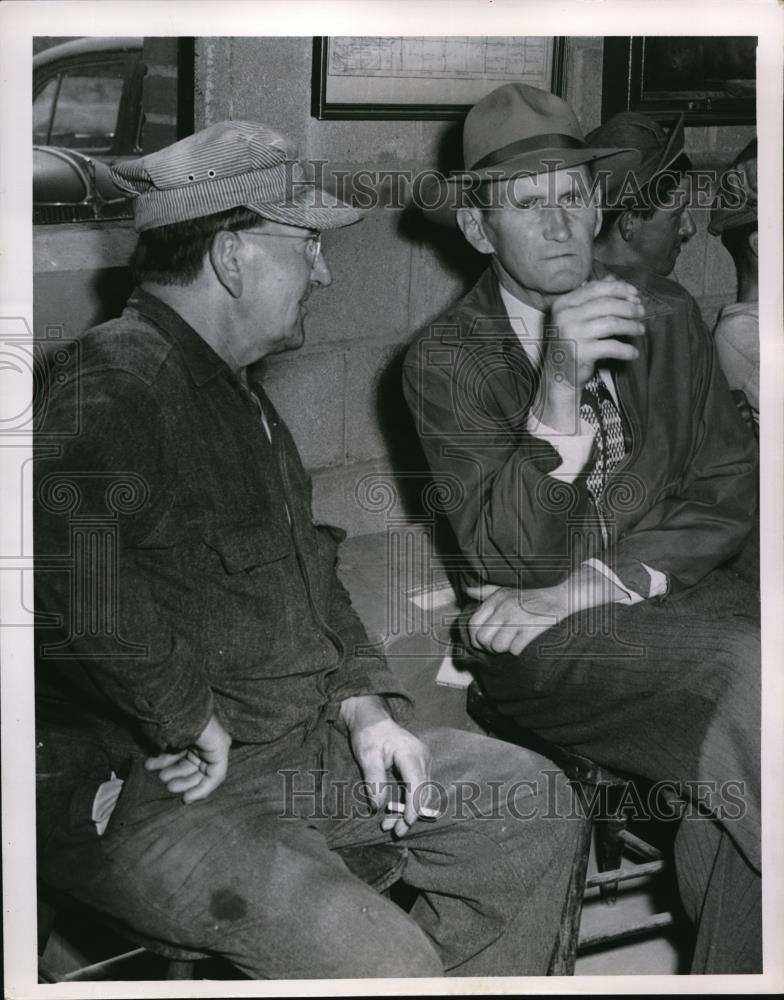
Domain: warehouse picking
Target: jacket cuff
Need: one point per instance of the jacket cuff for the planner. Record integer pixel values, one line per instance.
(638, 577)
(369, 679)
(178, 712)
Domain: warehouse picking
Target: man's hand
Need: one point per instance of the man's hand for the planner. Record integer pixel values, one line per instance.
(508, 619)
(381, 745)
(198, 770)
(589, 322)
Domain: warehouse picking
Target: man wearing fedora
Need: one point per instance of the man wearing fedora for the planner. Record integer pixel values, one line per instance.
(645, 214)
(606, 477)
(216, 738)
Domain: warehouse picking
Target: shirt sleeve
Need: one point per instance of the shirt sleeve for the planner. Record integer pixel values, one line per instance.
(574, 449)
(657, 587)
(110, 640)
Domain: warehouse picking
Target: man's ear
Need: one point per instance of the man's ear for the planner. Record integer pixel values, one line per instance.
(598, 226)
(225, 260)
(627, 226)
(472, 226)
(754, 243)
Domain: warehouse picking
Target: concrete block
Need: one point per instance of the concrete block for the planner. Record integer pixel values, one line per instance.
(690, 269)
(370, 266)
(373, 401)
(697, 146)
(720, 276)
(729, 140)
(365, 143)
(443, 267)
(308, 391)
(358, 498)
(711, 305)
(213, 91)
(270, 81)
(584, 80)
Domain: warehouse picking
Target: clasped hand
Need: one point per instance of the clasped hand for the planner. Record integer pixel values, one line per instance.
(509, 619)
(199, 770)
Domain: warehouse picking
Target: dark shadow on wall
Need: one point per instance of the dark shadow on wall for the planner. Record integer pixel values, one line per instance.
(456, 257)
(76, 300)
(454, 254)
(410, 468)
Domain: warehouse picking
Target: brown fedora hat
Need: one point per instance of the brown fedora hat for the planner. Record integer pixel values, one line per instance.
(516, 130)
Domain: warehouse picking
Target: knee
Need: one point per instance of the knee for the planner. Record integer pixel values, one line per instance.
(378, 939)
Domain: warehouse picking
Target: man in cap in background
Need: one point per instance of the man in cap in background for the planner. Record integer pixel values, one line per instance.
(645, 213)
(213, 727)
(606, 477)
(734, 219)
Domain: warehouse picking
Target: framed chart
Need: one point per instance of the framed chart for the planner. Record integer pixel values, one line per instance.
(425, 77)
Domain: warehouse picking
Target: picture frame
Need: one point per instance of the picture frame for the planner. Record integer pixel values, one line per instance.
(425, 78)
(710, 79)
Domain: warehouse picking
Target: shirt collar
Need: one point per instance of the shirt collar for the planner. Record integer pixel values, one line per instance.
(201, 360)
(526, 322)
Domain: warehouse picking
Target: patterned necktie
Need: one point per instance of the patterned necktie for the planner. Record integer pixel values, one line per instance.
(598, 410)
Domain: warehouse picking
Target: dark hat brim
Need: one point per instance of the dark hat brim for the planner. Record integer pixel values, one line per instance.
(723, 219)
(441, 197)
(644, 170)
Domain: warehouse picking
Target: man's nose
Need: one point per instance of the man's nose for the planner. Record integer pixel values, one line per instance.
(687, 229)
(321, 274)
(556, 223)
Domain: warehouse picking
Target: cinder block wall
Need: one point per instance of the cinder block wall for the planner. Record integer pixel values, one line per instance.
(704, 266)
(392, 272)
(159, 96)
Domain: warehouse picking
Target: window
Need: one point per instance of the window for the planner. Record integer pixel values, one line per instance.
(87, 107)
(42, 112)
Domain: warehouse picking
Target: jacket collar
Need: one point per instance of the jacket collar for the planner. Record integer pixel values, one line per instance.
(202, 362)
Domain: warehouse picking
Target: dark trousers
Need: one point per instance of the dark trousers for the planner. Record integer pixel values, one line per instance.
(668, 690)
(253, 872)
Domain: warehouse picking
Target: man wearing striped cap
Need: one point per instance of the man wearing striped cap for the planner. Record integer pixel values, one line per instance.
(216, 736)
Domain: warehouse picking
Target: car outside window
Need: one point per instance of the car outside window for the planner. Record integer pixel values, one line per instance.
(87, 105)
(43, 105)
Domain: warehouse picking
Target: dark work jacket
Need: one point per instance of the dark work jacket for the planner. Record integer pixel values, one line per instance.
(683, 499)
(176, 553)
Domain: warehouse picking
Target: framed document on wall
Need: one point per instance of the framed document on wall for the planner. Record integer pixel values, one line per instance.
(421, 77)
(712, 79)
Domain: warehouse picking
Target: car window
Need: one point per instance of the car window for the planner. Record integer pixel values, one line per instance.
(42, 112)
(88, 106)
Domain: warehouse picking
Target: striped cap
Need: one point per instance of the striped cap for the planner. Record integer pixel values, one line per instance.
(222, 167)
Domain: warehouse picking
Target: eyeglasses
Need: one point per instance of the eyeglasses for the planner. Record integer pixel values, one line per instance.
(312, 243)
